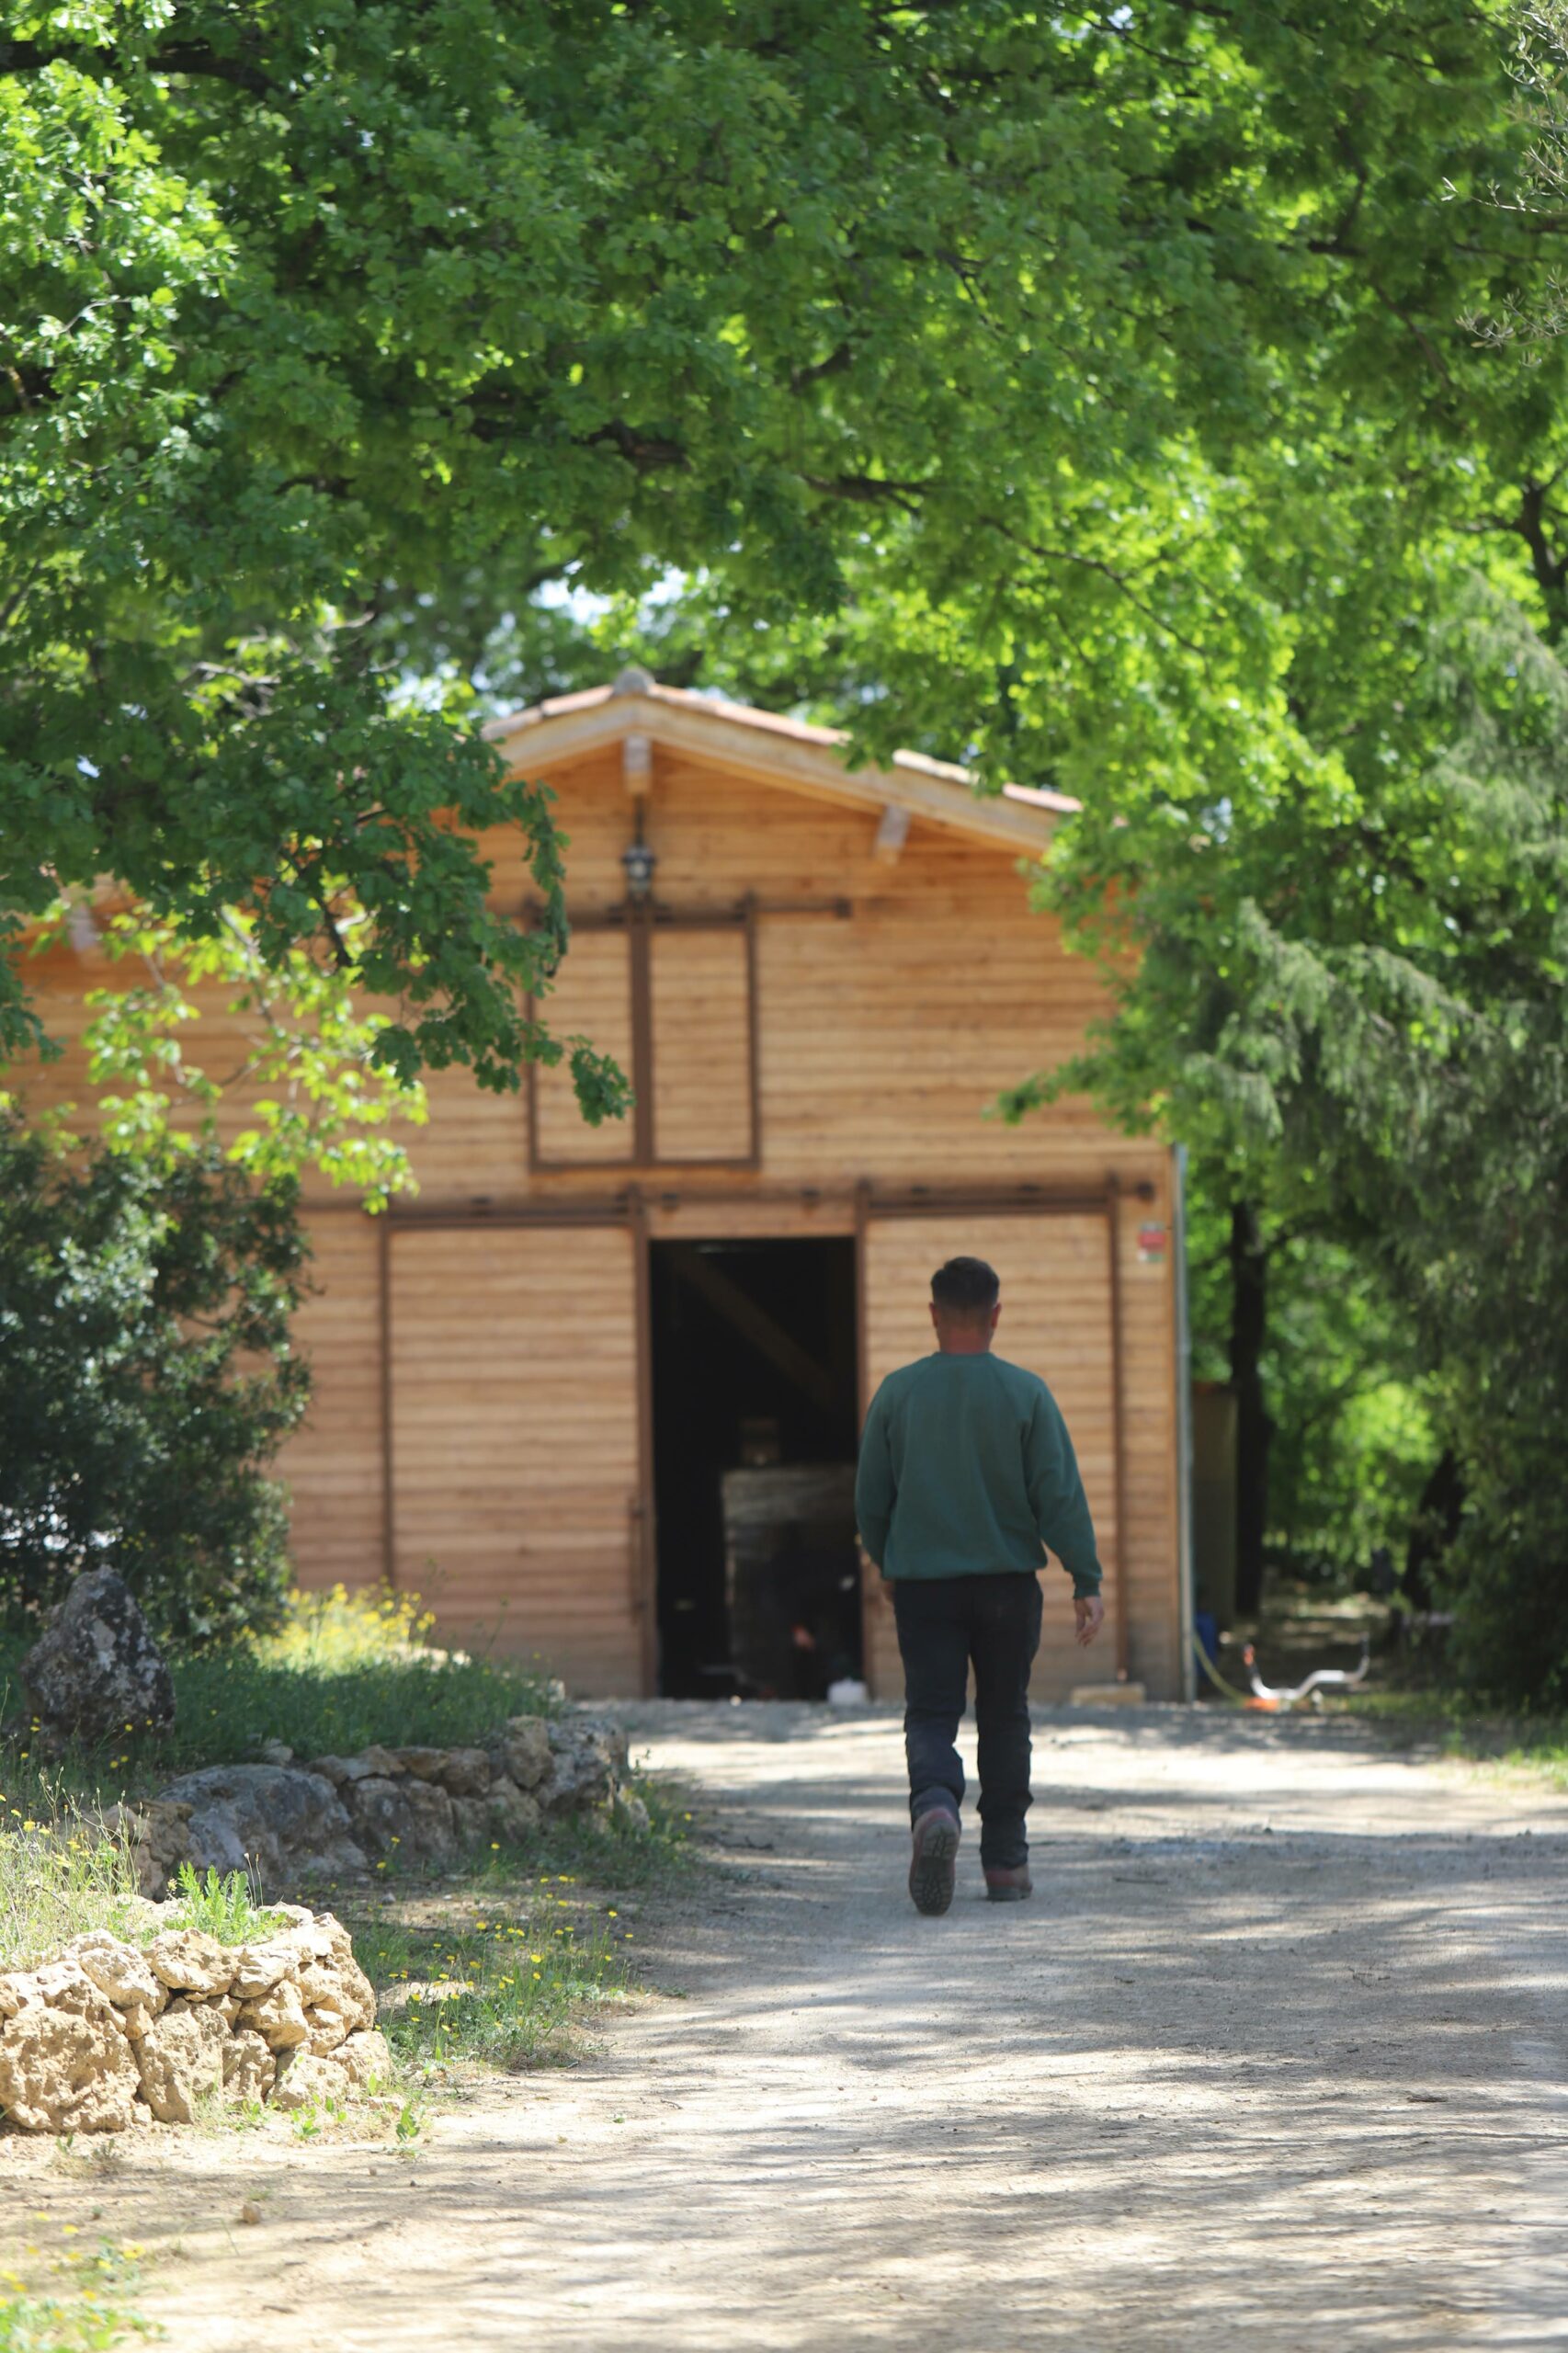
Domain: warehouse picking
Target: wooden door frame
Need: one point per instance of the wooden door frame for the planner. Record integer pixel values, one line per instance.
(646, 1546)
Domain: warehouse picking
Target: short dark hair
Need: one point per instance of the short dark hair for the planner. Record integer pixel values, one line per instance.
(966, 1287)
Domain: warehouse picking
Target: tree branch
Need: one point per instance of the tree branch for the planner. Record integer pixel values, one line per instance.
(182, 57)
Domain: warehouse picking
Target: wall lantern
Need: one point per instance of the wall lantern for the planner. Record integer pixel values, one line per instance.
(638, 863)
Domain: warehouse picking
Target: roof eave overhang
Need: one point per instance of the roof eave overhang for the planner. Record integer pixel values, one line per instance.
(535, 741)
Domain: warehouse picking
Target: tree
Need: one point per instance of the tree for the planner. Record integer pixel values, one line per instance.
(306, 1083)
(1088, 394)
(335, 323)
(1357, 1007)
(146, 1379)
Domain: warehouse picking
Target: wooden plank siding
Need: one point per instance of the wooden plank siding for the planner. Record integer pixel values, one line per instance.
(332, 1465)
(592, 998)
(515, 1442)
(702, 1045)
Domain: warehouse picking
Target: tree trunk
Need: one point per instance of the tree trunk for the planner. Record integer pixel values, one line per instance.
(1433, 1529)
(1255, 1427)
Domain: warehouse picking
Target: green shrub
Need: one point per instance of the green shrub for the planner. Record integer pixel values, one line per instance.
(146, 1379)
(224, 1907)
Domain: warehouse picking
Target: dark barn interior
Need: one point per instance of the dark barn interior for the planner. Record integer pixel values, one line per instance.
(755, 1414)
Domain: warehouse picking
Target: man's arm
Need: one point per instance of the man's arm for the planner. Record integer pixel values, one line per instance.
(1056, 1494)
(875, 1487)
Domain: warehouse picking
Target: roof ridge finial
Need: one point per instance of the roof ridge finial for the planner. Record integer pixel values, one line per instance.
(633, 680)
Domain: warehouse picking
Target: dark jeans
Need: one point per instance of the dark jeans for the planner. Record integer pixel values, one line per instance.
(943, 1623)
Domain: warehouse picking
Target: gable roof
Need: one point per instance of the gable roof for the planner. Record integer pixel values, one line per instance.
(773, 750)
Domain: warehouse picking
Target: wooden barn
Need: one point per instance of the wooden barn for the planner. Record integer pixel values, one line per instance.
(596, 1393)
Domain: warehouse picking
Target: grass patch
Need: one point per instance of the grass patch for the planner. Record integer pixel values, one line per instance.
(85, 2325)
(346, 1670)
(506, 1967)
(56, 1884)
(503, 1982)
(1459, 1729)
(92, 2320)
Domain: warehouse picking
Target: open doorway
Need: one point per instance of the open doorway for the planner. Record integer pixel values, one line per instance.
(755, 1422)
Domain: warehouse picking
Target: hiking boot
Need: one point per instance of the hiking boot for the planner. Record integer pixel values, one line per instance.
(1007, 1883)
(934, 1851)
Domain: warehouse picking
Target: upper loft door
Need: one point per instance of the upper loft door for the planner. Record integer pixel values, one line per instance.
(515, 1441)
(1056, 1321)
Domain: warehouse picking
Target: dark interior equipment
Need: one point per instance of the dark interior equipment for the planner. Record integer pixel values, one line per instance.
(791, 1578)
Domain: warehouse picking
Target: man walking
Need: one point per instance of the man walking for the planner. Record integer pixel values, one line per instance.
(967, 1475)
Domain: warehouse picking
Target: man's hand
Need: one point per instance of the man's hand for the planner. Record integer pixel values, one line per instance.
(1090, 1610)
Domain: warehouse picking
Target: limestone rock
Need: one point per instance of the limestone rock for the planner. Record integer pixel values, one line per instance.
(431, 1832)
(65, 2065)
(119, 1971)
(181, 2059)
(470, 1821)
(276, 1752)
(259, 1967)
(364, 2058)
(424, 1764)
(158, 1833)
(64, 1984)
(405, 1821)
(515, 1814)
(96, 1668)
(15, 1993)
(339, 1988)
(106, 2036)
(630, 1810)
(524, 1751)
(465, 1773)
(588, 1756)
(278, 2017)
(307, 2079)
(274, 1821)
(374, 1763)
(249, 2068)
(187, 1960)
(297, 1915)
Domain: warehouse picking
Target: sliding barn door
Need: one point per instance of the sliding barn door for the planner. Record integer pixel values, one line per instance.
(514, 1442)
(1056, 1321)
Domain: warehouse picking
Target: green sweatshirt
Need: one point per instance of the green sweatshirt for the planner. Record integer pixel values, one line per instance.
(966, 1467)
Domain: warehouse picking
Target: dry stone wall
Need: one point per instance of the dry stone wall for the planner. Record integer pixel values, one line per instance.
(113, 2034)
(285, 1822)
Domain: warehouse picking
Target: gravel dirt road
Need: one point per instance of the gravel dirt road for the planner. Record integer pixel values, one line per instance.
(1276, 2057)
